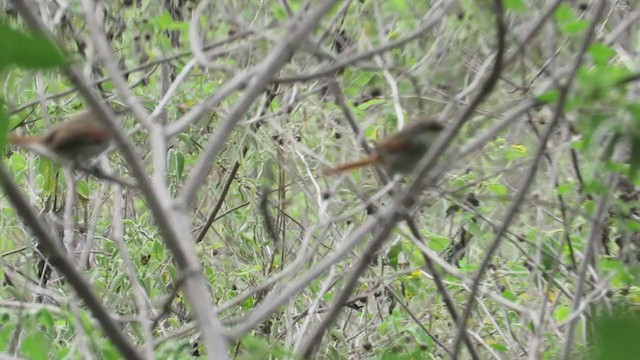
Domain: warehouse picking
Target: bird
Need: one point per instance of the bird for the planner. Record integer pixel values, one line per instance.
(400, 152)
(77, 139)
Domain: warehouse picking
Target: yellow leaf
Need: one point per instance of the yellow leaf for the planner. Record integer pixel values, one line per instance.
(635, 299)
(519, 148)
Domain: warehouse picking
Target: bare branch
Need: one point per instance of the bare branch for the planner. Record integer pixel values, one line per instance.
(58, 258)
(298, 29)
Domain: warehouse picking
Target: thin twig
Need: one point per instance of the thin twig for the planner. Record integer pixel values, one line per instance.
(299, 28)
(223, 195)
(528, 179)
(58, 258)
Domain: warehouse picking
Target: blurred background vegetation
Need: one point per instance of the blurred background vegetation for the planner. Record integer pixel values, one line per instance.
(267, 213)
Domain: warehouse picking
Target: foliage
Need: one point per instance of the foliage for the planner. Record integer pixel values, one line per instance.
(267, 217)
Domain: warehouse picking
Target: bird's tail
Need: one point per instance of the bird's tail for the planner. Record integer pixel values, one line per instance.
(369, 160)
(23, 140)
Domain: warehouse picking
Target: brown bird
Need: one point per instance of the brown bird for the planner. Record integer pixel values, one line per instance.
(400, 152)
(79, 138)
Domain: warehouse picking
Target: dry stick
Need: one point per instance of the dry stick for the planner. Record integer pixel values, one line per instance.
(170, 217)
(342, 104)
(100, 173)
(385, 215)
(218, 206)
(595, 233)
(58, 258)
(69, 242)
(596, 228)
(308, 349)
(563, 208)
(275, 300)
(139, 295)
(415, 319)
(281, 218)
(298, 29)
(239, 81)
(99, 42)
(343, 63)
(466, 150)
(511, 236)
(426, 164)
(327, 284)
(557, 258)
(340, 15)
(166, 304)
(134, 70)
(263, 203)
(440, 286)
(388, 223)
(524, 42)
(519, 198)
(158, 141)
(410, 222)
(576, 169)
(263, 198)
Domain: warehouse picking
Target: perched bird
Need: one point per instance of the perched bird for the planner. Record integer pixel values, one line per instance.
(77, 139)
(400, 152)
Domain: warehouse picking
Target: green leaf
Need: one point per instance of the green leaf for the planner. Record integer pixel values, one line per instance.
(634, 110)
(47, 172)
(617, 337)
(109, 351)
(179, 165)
(82, 189)
(63, 353)
(561, 313)
(279, 13)
(594, 187)
(176, 164)
(547, 97)
(158, 250)
(369, 103)
(35, 346)
(575, 26)
(4, 125)
(564, 189)
(507, 294)
(498, 189)
(398, 6)
(18, 163)
(393, 253)
(166, 22)
(632, 225)
(568, 20)
(564, 14)
(46, 319)
(6, 331)
(515, 152)
(600, 53)
(253, 346)
(516, 6)
(499, 347)
(589, 206)
(28, 51)
(610, 264)
(634, 159)
(438, 243)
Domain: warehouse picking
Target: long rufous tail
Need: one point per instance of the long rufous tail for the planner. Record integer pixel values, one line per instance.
(369, 160)
(23, 140)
